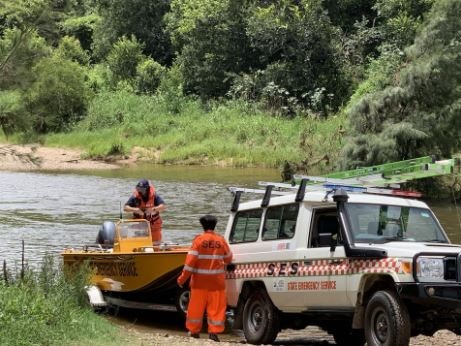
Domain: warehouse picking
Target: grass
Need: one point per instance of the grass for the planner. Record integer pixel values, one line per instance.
(232, 134)
(45, 307)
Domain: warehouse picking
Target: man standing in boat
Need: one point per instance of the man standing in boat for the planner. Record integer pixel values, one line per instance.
(205, 265)
(145, 203)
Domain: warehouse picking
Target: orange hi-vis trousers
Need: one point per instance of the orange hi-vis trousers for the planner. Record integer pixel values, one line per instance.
(156, 231)
(215, 304)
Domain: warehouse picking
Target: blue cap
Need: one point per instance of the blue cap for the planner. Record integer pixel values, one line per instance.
(143, 183)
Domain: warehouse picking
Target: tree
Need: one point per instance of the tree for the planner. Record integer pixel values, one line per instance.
(211, 40)
(299, 48)
(19, 52)
(124, 58)
(420, 112)
(143, 19)
(13, 116)
(58, 98)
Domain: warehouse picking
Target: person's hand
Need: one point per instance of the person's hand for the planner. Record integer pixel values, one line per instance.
(179, 284)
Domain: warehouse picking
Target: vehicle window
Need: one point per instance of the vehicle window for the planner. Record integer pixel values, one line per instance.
(280, 222)
(246, 226)
(382, 223)
(325, 229)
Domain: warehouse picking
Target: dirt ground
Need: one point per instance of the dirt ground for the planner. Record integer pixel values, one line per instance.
(311, 336)
(36, 157)
(145, 328)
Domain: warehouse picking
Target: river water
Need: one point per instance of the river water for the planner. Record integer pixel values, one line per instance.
(53, 210)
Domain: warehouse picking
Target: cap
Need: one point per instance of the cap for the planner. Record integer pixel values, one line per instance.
(143, 183)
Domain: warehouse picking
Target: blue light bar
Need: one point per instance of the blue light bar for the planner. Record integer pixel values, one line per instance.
(348, 188)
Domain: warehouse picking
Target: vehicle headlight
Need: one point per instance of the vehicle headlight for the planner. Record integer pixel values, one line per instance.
(430, 269)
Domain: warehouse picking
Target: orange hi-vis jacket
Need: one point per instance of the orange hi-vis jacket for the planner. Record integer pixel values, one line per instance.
(205, 262)
(155, 220)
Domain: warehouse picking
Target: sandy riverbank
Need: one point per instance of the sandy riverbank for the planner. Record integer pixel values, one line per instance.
(35, 157)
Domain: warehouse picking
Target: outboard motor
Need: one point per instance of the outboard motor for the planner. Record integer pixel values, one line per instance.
(106, 234)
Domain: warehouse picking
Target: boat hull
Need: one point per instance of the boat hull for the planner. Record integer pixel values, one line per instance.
(144, 277)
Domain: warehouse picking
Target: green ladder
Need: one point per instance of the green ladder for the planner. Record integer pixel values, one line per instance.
(388, 174)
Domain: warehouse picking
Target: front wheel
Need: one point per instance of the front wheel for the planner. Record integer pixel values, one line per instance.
(387, 322)
(261, 320)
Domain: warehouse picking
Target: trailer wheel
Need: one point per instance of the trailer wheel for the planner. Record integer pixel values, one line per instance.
(182, 301)
(261, 320)
(387, 322)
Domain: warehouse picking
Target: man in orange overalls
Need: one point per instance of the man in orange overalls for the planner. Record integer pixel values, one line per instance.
(144, 203)
(205, 265)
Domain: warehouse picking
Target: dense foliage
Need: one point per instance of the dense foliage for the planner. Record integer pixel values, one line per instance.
(392, 66)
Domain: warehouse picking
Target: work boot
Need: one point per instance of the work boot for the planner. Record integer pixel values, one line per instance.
(194, 335)
(213, 337)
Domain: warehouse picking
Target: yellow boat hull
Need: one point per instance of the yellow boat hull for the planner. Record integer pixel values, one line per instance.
(130, 272)
(127, 268)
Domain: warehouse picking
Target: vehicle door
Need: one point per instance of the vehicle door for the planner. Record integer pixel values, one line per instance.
(324, 272)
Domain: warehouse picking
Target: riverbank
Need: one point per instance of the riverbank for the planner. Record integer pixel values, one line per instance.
(30, 157)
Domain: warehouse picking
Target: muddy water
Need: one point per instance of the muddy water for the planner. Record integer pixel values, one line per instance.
(50, 211)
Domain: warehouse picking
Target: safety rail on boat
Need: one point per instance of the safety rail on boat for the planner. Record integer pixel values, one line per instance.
(94, 247)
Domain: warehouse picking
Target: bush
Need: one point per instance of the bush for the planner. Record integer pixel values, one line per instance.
(13, 116)
(124, 58)
(58, 97)
(148, 76)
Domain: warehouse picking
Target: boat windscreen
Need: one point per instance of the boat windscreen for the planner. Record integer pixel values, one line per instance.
(134, 230)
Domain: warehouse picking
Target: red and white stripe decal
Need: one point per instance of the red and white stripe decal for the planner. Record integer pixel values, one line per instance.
(315, 268)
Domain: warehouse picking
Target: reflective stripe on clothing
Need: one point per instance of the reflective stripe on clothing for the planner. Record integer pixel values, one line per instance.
(210, 256)
(204, 271)
(206, 260)
(216, 323)
(214, 302)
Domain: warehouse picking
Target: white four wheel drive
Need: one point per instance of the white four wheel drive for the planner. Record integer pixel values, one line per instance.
(363, 267)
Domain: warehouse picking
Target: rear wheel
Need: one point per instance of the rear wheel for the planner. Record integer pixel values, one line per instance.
(387, 322)
(261, 320)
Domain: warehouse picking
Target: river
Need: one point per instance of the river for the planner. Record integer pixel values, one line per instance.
(53, 210)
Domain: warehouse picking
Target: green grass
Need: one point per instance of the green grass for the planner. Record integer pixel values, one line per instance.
(233, 133)
(47, 308)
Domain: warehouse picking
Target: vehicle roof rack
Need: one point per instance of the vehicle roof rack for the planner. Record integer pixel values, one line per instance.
(382, 179)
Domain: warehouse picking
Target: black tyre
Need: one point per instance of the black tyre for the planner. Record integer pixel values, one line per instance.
(344, 335)
(261, 320)
(182, 301)
(387, 322)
